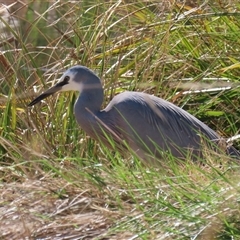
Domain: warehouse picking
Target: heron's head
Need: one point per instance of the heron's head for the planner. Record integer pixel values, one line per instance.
(76, 78)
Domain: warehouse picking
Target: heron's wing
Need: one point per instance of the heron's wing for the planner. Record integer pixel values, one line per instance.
(173, 120)
(105, 130)
(159, 115)
(150, 121)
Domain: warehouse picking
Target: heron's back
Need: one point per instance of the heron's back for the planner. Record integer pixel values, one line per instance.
(155, 126)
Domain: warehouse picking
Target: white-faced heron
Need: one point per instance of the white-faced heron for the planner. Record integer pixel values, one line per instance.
(149, 125)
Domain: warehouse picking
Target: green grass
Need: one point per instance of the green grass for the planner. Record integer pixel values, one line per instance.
(56, 181)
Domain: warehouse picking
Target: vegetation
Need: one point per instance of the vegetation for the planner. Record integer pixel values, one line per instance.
(55, 181)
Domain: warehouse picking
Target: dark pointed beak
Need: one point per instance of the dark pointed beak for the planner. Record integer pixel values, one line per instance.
(50, 91)
(44, 95)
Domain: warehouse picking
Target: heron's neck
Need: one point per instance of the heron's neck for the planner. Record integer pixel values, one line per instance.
(89, 98)
(87, 107)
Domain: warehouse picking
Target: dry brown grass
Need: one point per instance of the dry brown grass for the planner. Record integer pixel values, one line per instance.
(37, 209)
(54, 208)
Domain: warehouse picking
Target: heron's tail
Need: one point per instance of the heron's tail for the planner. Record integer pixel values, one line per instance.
(233, 152)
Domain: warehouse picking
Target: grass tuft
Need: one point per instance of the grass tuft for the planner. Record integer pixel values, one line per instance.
(55, 181)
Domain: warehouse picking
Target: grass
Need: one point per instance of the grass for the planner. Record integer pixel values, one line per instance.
(57, 182)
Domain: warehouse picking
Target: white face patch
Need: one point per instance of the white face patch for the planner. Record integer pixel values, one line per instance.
(72, 85)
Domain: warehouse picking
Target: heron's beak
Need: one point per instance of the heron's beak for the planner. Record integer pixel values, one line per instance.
(49, 92)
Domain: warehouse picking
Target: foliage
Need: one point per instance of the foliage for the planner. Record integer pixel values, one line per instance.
(186, 54)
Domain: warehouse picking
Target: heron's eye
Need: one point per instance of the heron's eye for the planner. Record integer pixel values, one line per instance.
(64, 81)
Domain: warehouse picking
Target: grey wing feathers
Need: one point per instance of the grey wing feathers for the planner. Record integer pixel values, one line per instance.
(162, 114)
(158, 123)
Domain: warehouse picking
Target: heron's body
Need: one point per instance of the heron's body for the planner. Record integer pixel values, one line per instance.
(150, 126)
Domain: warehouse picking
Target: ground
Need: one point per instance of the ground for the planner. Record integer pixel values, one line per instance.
(38, 209)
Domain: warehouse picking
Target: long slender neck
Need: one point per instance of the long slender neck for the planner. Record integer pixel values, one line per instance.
(89, 103)
(91, 99)
(91, 94)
